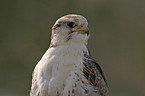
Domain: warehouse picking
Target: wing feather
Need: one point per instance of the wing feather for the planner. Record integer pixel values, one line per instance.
(95, 75)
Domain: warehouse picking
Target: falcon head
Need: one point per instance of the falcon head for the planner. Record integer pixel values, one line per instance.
(70, 29)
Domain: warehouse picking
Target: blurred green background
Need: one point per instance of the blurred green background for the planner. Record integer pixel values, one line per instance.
(117, 41)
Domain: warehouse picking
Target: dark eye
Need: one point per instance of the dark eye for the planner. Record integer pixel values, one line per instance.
(71, 24)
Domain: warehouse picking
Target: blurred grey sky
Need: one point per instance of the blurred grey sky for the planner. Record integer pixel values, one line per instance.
(117, 41)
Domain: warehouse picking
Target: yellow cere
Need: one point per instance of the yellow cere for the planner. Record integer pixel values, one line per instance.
(82, 26)
(78, 30)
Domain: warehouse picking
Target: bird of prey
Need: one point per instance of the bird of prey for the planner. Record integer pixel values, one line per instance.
(67, 69)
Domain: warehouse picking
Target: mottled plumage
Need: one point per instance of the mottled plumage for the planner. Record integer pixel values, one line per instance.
(93, 72)
(67, 69)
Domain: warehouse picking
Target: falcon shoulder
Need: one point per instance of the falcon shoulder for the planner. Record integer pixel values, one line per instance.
(95, 75)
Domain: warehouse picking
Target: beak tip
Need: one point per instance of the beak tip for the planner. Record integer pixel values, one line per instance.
(87, 31)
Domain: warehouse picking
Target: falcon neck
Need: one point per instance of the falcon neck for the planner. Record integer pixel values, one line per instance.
(70, 49)
(75, 47)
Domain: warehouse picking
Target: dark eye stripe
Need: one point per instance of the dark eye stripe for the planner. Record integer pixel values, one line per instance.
(68, 24)
(58, 25)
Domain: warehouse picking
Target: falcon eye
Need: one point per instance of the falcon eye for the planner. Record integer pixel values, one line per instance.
(71, 24)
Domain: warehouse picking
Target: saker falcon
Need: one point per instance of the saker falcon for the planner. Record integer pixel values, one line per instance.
(67, 69)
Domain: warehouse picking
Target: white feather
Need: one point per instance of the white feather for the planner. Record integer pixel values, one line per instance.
(57, 68)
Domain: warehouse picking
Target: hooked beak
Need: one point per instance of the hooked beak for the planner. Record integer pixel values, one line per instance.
(83, 29)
